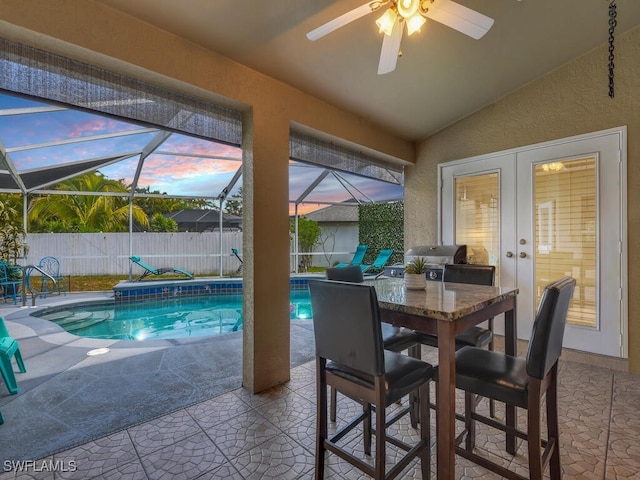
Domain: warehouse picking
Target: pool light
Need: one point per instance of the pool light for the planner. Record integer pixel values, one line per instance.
(98, 351)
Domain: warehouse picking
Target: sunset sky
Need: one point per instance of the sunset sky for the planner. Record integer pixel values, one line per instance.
(175, 168)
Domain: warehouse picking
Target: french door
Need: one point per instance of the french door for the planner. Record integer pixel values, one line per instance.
(544, 211)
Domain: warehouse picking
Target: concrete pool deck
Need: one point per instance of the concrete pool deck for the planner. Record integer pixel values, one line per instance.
(68, 397)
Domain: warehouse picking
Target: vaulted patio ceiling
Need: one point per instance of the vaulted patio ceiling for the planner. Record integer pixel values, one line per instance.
(442, 75)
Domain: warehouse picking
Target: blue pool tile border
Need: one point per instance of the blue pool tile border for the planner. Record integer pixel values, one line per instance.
(164, 289)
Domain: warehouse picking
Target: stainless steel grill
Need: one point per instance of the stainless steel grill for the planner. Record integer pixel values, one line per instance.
(436, 256)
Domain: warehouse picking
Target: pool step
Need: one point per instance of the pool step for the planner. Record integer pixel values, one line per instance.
(95, 318)
(73, 317)
(71, 321)
(57, 315)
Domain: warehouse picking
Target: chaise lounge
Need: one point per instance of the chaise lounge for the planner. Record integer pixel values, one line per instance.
(358, 257)
(379, 263)
(149, 270)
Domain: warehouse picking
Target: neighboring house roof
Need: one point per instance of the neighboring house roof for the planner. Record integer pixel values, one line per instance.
(335, 214)
(195, 220)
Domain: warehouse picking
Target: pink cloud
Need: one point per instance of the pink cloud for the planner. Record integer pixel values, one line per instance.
(186, 144)
(96, 126)
(179, 168)
(304, 209)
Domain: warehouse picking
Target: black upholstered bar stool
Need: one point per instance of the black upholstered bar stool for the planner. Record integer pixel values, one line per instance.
(471, 274)
(396, 339)
(351, 358)
(521, 382)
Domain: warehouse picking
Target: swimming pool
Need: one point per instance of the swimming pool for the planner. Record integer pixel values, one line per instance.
(177, 317)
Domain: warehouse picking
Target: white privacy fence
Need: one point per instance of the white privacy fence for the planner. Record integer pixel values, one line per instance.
(198, 253)
(108, 253)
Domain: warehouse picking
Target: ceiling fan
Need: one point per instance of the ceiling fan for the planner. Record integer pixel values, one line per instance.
(413, 14)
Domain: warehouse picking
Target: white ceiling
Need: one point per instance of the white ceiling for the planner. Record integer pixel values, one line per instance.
(442, 76)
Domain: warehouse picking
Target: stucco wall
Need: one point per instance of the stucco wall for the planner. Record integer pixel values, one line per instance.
(569, 101)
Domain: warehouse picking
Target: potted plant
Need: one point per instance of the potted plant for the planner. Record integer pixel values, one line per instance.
(415, 274)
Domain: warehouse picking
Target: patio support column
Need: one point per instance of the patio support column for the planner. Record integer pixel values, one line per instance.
(266, 324)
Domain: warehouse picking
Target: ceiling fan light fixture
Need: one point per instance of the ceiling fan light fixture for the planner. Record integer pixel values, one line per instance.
(415, 23)
(424, 6)
(414, 13)
(387, 21)
(407, 8)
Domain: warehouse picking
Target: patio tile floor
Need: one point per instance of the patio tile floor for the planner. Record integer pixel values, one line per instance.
(242, 436)
(237, 435)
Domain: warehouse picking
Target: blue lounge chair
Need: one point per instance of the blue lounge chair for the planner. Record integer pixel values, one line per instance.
(379, 263)
(149, 270)
(357, 257)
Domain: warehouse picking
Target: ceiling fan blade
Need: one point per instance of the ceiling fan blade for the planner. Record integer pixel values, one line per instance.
(390, 50)
(344, 19)
(460, 18)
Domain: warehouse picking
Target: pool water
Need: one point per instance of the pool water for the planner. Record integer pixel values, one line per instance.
(179, 317)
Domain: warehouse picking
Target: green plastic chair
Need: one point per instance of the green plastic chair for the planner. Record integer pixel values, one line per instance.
(9, 348)
(358, 257)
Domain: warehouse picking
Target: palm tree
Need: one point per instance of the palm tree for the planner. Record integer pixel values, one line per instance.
(8, 209)
(85, 213)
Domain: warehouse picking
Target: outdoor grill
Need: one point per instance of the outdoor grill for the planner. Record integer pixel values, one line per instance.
(435, 256)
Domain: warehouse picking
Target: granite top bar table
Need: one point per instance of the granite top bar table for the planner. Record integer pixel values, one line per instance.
(447, 309)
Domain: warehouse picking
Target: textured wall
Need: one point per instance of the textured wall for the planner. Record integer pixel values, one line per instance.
(569, 101)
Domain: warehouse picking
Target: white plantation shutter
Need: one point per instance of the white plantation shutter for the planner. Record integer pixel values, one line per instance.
(478, 219)
(565, 231)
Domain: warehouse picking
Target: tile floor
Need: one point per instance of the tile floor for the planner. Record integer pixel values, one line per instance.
(271, 435)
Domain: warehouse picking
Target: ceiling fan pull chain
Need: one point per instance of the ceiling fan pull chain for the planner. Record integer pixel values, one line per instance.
(612, 25)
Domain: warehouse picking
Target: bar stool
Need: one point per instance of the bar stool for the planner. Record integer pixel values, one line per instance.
(396, 339)
(470, 274)
(350, 358)
(522, 383)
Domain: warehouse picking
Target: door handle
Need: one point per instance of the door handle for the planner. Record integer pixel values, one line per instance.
(509, 254)
(522, 255)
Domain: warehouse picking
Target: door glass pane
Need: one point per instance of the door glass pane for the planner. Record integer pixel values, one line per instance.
(565, 232)
(477, 218)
